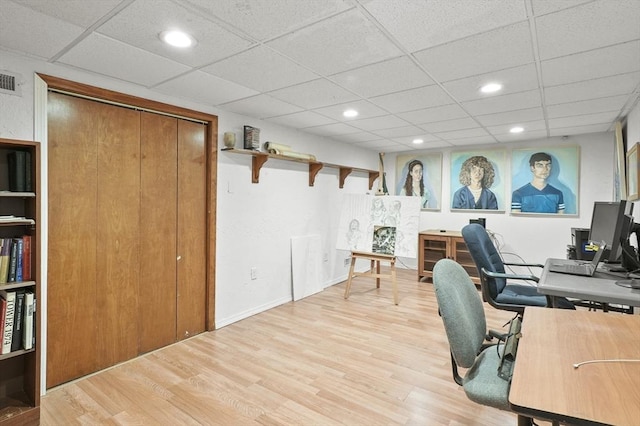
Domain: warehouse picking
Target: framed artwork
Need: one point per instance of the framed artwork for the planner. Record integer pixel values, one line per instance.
(633, 162)
(478, 180)
(420, 176)
(545, 180)
(620, 180)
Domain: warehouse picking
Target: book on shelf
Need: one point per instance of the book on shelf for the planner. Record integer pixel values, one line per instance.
(3, 313)
(16, 339)
(4, 259)
(28, 181)
(17, 165)
(13, 260)
(28, 324)
(26, 257)
(9, 317)
(19, 256)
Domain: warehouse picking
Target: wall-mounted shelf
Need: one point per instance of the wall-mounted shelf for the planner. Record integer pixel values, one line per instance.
(259, 158)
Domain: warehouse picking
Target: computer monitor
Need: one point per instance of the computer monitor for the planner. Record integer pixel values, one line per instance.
(630, 258)
(607, 223)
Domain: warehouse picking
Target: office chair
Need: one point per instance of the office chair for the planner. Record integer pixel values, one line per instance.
(462, 313)
(496, 289)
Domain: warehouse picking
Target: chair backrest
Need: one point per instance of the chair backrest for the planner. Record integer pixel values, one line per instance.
(485, 256)
(461, 311)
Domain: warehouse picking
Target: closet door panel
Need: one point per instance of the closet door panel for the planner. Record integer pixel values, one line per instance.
(192, 229)
(158, 229)
(118, 202)
(72, 212)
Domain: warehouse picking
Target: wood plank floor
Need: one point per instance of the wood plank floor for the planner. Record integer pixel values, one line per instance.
(322, 360)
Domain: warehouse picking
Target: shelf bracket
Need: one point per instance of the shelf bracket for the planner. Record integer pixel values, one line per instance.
(256, 164)
(372, 177)
(344, 172)
(314, 168)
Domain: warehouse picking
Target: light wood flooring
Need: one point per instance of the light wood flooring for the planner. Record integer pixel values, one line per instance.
(322, 360)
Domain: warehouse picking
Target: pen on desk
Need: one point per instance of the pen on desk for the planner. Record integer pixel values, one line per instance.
(604, 360)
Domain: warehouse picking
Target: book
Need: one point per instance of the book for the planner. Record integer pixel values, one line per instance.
(17, 162)
(19, 249)
(26, 257)
(3, 313)
(13, 260)
(9, 317)
(28, 322)
(28, 180)
(16, 339)
(4, 260)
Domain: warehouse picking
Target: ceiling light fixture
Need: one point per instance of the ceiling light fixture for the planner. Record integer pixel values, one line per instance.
(350, 113)
(177, 38)
(418, 141)
(516, 129)
(491, 88)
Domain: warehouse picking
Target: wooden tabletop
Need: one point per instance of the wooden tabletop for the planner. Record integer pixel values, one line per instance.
(545, 380)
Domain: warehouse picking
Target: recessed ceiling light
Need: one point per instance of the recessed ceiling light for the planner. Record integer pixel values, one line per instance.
(516, 129)
(350, 113)
(491, 88)
(177, 38)
(418, 141)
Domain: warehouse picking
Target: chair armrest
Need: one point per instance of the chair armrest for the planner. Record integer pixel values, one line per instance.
(537, 265)
(510, 276)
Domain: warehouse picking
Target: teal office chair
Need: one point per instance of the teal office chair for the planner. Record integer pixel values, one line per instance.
(462, 313)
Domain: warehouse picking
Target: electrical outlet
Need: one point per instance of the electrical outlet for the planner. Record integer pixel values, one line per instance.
(254, 273)
(347, 261)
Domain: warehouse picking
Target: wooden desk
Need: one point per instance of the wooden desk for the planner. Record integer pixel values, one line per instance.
(546, 385)
(599, 288)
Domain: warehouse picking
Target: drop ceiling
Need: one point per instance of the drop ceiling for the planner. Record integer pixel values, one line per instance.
(412, 68)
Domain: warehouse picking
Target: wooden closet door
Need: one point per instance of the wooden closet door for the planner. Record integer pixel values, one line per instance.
(158, 231)
(192, 229)
(72, 211)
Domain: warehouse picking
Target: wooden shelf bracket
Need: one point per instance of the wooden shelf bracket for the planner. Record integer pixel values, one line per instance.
(314, 168)
(256, 164)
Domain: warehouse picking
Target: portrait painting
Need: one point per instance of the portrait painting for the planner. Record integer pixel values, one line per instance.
(420, 176)
(633, 174)
(545, 181)
(478, 180)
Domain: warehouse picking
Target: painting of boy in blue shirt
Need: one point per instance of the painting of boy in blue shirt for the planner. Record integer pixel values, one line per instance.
(538, 196)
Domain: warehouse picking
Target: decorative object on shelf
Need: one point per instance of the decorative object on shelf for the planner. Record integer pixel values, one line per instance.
(19, 167)
(633, 174)
(251, 138)
(285, 151)
(229, 140)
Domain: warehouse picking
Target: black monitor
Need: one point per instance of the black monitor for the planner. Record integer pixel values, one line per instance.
(607, 224)
(630, 258)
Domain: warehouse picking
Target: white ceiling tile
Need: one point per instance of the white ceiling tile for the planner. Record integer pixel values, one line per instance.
(382, 78)
(261, 106)
(504, 103)
(422, 24)
(332, 129)
(314, 94)
(83, 13)
(426, 138)
(141, 23)
(359, 137)
(517, 137)
(466, 133)
(378, 123)
(610, 104)
(399, 132)
(619, 59)
(365, 110)
(439, 143)
(513, 80)
(113, 58)
(261, 68)
(351, 40)
(266, 19)
(476, 140)
(444, 126)
(430, 115)
(591, 89)
(478, 54)
(410, 100)
(378, 144)
(16, 34)
(528, 127)
(583, 120)
(301, 119)
(542, 7)
(509, 117)
(218, 91)
(588, 26)
(581, 130)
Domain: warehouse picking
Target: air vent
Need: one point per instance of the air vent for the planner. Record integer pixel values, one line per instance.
(9, 83)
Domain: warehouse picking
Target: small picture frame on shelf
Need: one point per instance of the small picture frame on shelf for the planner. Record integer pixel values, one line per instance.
(633, 175)
(251, 138)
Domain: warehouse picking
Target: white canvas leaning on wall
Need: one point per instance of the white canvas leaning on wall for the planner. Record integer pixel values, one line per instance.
(379, 224)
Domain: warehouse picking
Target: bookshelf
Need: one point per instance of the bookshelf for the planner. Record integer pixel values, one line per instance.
(434, 244)
(19, 217)
(260, 158)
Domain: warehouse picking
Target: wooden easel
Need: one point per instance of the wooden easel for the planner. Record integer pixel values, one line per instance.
(375, 258)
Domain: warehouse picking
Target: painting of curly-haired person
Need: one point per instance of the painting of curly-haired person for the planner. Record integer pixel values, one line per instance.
(476, 175)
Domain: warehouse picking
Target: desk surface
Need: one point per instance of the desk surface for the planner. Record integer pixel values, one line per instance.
(599, 288)
(546, 384)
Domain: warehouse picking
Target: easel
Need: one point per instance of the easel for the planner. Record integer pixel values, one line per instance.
(375, 258)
